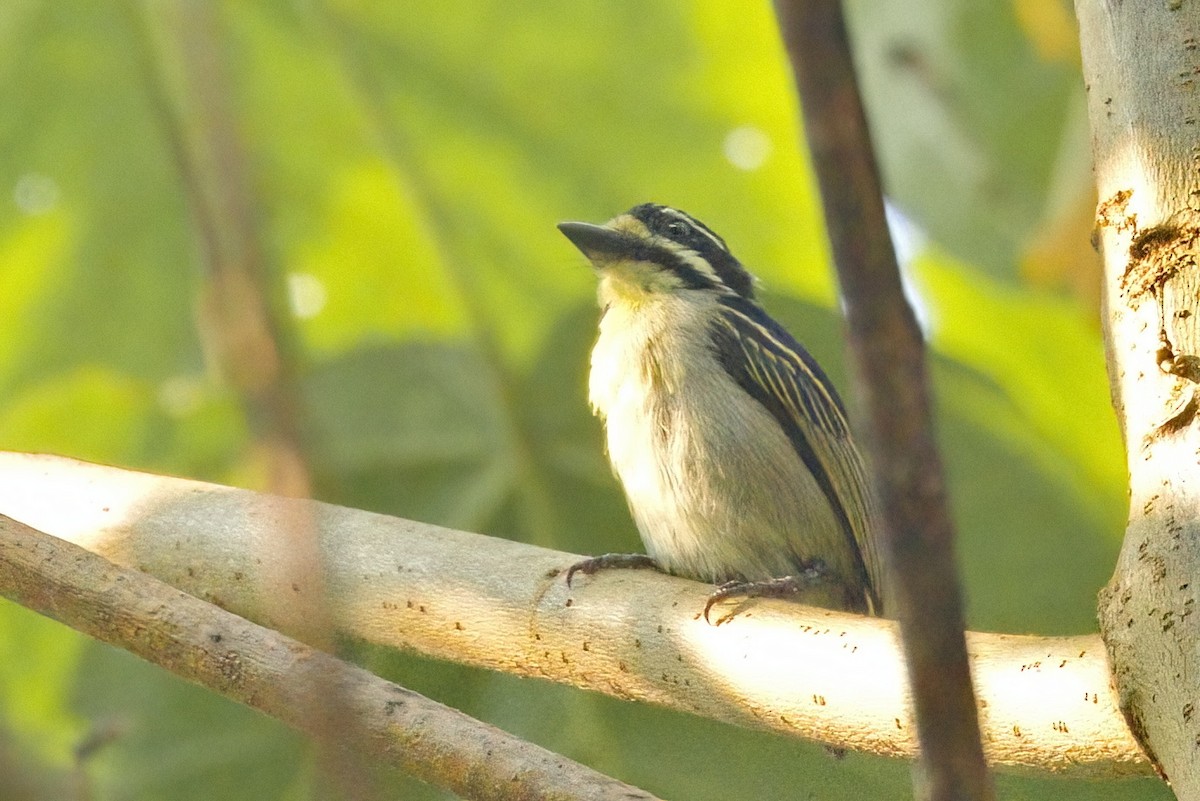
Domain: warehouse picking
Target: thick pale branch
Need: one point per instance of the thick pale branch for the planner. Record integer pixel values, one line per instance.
(1141, 63)
(1045, 703)
(280, 676)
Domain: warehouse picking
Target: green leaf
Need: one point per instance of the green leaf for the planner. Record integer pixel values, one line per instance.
(1046, 356)
(38, 663)
(406, 164)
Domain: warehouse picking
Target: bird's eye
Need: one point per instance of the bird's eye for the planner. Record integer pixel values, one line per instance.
(677, 229)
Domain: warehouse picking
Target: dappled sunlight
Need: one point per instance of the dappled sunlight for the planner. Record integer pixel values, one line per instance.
(800, 664)
(391, 176)
(218, 543)
(633, 634)
(1060, 684)
(1135, 197)
(75, 501)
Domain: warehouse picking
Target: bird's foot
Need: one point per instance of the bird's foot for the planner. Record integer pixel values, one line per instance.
(623, 560)
(783, 587)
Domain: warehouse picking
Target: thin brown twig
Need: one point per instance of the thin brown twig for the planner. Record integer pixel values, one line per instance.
(244, 337)
(888, 354)
(242, 331)
(273, 673)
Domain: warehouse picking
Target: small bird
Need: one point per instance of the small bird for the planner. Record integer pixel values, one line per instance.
(731, 444)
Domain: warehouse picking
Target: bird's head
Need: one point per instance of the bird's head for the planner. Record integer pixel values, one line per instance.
(657, 250)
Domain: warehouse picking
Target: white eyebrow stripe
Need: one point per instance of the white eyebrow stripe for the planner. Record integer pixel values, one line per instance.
(701, 264)
(696, 225)
(695, 261)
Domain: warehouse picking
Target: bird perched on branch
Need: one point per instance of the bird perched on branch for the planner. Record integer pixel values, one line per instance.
(732, 446)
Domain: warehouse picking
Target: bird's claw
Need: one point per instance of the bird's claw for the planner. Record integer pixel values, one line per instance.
(609, 560)
(782, 587)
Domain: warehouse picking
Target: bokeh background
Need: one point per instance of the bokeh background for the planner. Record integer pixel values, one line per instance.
(390, 174)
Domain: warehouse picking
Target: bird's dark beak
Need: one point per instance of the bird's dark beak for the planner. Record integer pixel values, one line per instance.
(596, 241)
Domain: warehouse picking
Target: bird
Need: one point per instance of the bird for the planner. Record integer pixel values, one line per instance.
(732, 446)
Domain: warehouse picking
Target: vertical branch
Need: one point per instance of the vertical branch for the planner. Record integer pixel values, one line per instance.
(1141, 64)
(242, 334)
(239, 325)
(888, 355)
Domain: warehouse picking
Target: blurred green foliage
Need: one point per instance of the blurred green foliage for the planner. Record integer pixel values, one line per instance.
(406, 164)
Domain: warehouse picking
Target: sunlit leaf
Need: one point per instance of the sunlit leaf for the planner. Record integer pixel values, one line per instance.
(406, 164)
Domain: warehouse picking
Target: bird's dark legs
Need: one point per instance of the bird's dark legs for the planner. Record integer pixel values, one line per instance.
(624, 560)
(783, 587)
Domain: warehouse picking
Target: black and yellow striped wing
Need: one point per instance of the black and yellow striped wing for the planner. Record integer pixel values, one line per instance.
(775, 370)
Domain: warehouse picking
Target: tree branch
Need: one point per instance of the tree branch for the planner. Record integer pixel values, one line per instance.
(1046, 702)
(244, 332)
(888, 353)
(282, 677)
(1140, 64)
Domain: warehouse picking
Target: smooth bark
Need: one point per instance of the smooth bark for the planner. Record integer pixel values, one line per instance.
(1045, 702)
(1141, 68)
(285, 678)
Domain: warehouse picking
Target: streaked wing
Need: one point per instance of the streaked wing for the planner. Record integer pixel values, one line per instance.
(775, 370)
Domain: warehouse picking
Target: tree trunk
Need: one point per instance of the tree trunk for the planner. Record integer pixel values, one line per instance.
(1142, 70)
